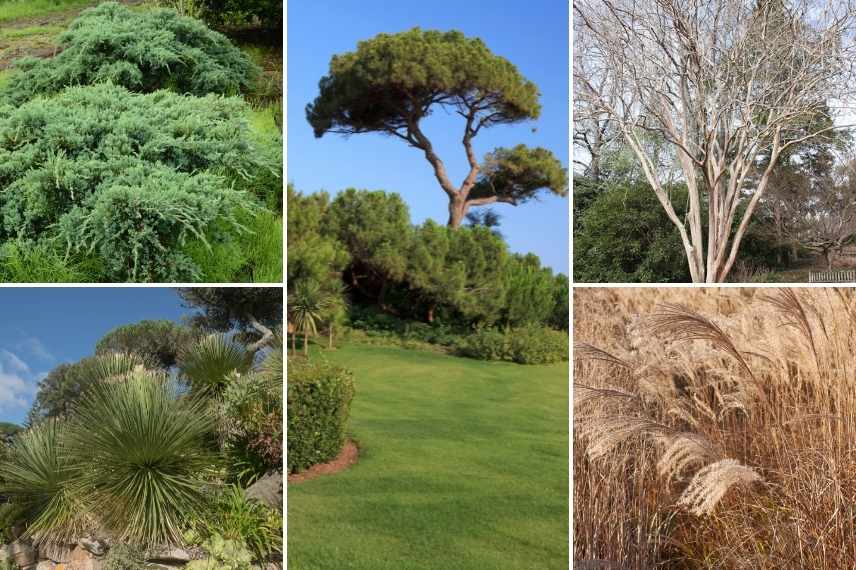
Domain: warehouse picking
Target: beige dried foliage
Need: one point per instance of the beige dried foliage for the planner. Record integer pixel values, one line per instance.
(711, 483)
(739, 389)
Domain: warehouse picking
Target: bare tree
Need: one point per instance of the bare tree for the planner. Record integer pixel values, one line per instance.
(725, 82)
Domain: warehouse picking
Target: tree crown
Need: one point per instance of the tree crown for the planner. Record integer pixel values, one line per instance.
(393, 80)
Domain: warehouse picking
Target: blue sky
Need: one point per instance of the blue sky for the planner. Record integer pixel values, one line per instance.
(532, 35)
(43, 327)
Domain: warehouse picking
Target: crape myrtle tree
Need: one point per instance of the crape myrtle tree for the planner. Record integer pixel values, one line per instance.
(394, 81)
(724, 82)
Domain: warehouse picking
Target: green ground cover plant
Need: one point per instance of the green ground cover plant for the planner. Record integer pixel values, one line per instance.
(463, 463)
(115, 212)
(142, 51)
(128, 177)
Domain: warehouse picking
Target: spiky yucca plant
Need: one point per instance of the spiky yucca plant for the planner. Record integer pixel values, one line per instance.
(208, 364)
(142, 453)
(35, 476)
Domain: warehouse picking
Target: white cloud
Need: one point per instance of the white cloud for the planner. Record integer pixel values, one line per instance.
(11, 361)
(36, 348)
(15, 391)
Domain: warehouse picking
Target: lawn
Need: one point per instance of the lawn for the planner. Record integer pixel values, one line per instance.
(463, 465)
(14, 9)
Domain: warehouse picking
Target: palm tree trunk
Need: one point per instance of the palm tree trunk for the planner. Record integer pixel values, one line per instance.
(306, 343)
(294, 343)
(330, 338)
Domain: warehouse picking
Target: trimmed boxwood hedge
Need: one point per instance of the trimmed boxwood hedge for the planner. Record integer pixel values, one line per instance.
(319, 404)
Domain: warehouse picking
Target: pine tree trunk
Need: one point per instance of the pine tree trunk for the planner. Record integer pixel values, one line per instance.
(457, 211)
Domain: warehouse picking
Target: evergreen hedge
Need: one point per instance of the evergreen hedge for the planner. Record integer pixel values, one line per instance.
(142, 51)
(126, 176)
(319, 403)
(530, 344)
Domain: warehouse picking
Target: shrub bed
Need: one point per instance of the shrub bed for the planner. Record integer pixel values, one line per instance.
(142, 51)
(129, 177)
(538, 345)
(319, 403)
(523, 345)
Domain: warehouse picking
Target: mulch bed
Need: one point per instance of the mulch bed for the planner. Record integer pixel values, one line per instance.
(347, 457)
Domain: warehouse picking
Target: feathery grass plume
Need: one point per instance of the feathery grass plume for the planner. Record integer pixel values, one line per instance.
(789, 305)
(683, 450)
(586, 351)
(143, 456)
(712, 482)
(793, 426)
(686, 325)
(586, 394)
(605, 433)
(35, 475)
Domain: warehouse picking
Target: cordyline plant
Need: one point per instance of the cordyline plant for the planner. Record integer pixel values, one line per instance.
(394, 81)
(728, 84)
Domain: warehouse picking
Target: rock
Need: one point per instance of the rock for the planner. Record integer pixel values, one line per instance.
(94, 546)
(267, 490)
(23, 554)
(46, 565)
(171, 556)
(82, 559)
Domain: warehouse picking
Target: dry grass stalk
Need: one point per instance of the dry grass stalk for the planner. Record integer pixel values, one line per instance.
(666, 437)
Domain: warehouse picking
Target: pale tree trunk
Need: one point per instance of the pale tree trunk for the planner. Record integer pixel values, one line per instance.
(306, 343)
(330, 337)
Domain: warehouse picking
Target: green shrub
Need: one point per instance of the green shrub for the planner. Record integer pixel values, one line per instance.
(319, 402)
(268, 12)
(538, 345)
(124, 557)
(486, 344)
(234, 517)
(130, 178)
(142, 51)
(524, 345)
(252, 408)
(224, 554)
